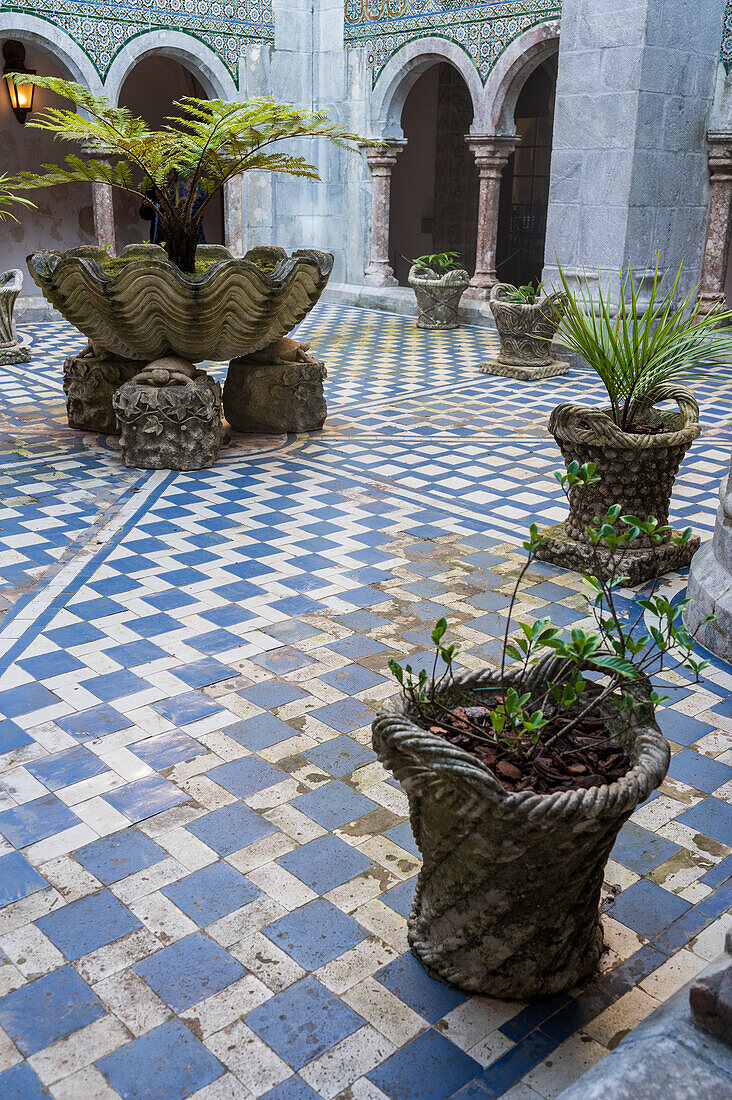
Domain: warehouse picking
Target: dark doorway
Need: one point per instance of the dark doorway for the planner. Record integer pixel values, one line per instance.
(525, 185)
(434, 188)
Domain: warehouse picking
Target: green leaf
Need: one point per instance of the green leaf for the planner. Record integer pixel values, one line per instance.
(615, 663)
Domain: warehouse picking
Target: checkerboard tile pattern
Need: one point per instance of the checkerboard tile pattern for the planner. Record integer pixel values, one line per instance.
(204, 873)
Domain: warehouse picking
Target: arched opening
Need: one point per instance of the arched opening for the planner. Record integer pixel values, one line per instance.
(525, 186)
(149, 91)
(434, 186)
(65, 217)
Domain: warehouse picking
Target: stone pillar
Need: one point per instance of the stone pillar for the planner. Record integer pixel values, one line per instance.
(234, 215)
(710, 582)
(491, 154)
(103, 204)
(381, 161)
(719, 222)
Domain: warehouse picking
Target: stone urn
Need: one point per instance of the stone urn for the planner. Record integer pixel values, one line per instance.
(438, 296)
(710, 582)
(636, 471)
(11, 350)
(526, 332)
(507, 900)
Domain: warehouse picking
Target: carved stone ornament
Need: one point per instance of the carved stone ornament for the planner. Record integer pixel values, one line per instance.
(170, 425)
(710, 582)
(90, 383)
(438, 296)
(507, 900)
(526, 333)
(11, 350)
(148, 307)
(636, 471)
(279, 389)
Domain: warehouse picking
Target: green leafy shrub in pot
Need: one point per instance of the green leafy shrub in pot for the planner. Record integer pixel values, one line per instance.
(438, 281)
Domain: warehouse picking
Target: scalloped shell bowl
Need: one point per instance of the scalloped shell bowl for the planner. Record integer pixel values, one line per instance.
(149, 308)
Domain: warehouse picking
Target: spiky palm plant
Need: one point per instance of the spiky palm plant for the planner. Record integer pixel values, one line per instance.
(204, 144)
(8, 198)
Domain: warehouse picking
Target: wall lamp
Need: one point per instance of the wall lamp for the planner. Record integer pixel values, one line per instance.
(20, 94)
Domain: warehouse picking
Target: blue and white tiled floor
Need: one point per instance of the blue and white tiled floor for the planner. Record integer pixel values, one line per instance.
(204, 874)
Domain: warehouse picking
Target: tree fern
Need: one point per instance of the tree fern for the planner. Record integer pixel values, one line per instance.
(204, 144)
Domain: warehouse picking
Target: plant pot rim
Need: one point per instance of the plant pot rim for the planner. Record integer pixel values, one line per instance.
(439, 280)
(651, 751)
(601, 428)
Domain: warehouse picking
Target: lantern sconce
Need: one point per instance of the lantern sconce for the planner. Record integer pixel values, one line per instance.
(20, 94)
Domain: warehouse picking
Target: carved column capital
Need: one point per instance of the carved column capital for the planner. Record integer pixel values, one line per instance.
(491, 151)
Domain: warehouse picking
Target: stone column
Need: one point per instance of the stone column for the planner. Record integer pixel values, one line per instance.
(381, 161)
(710, 582)
(234, 215)
(103, 204)
(491, 154)
(719, 223)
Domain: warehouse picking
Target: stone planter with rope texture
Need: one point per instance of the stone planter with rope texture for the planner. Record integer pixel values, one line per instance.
(438, 296)
(507, 900)
(636, 471)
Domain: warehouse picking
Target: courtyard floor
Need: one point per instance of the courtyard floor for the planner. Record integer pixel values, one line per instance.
(204, 873)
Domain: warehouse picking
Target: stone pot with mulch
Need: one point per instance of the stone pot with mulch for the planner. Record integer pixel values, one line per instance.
(507, 900)
(438, 296)
(526, 330)
(636, 470)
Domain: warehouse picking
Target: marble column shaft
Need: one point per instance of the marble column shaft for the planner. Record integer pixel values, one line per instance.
(234, 215)
(381, 162)
(719, 222)
(103, 204)
(491, 154)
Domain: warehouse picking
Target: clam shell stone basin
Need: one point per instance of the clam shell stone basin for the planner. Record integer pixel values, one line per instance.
(146, 307)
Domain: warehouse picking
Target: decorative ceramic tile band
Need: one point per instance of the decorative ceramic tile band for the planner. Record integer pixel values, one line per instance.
(725, 53)
(101, 30)
(482, 30)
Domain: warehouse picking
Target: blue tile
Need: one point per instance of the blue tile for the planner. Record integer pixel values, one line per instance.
(631, 972)
(576, 1014)
(511, 1066)
(212, 892)
(94, 722)
(294, 1088)
(18, 879)
(345, 715)
(352, 679)
(12, 737)
(718, 874)
(97, 608)
(699, 771)
(296, 606)
(325, 863)
(429, 1067)
(229, 615)
(215, 641)
(230, 828)
(303, 1022)
(66, 637)
(167, 1062)
(49, 1009)
(718, 902)
(114, 857)
(145, 797)
(680, 728)
(533, 1016)
(407, 979)
(333, 804)
(135, 653)
(152, 626)
(115, 685)
(647, 908)
(549, 590)
(166, 749)
(362, 620)
(55, 663)
(358, 645)
(315, 934)
(679, 933)
(170, 600)
(641, 850)
(261, 731)
(403, 836)
(340, 756)
(89, 923)
(246, 776)
(25, 700)
(35, 820)
(291, 631)
(189, 970)
(282, 660)
(272, 694)
(203, 673)
(189, 707)
(66, 767)
(21, 1083)
(400, 897)
(712, 817)
(724, 708)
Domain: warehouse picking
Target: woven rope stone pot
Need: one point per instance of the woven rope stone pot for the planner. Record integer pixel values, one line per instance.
(636, 471)
(438, 297)
(507, 900)
(11, 350)
(526, 332)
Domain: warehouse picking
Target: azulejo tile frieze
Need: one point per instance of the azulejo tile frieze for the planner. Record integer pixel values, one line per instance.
(103, 29)
(726, 50)
(482, 30)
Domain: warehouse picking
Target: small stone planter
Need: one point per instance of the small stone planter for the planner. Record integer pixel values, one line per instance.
(526, 333)
(170, 417)
(636, 471)
(507, 900)
(438, 296)
(90, 383)
(11, 350)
